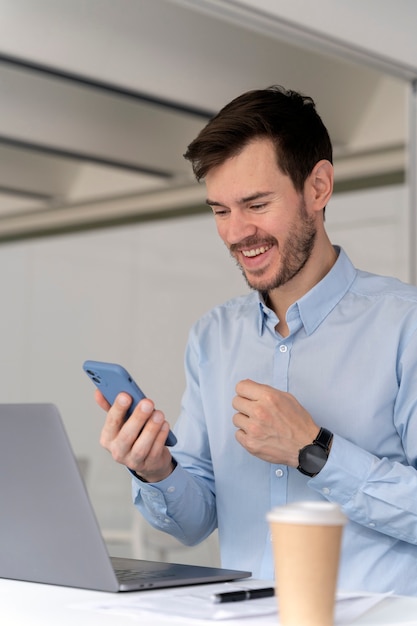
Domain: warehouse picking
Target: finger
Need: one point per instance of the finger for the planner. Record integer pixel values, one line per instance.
(119, 435)
(151, 430)
(240, 420)
(132, 428)
(249, 389)
(101, 400)
(149, 447)
(241, 437)
(157, 464)
(115, 419)
(242, 404)
(158, 444)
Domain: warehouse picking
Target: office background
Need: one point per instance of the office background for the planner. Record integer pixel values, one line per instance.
(106, 251)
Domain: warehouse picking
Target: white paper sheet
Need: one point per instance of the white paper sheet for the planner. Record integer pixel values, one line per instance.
(195, 603)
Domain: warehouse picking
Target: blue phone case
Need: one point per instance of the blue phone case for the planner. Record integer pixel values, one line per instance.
(111, 379)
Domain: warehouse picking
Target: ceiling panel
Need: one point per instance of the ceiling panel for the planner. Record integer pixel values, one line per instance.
(99, 100)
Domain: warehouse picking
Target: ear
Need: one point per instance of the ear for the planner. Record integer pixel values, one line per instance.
(319, 185)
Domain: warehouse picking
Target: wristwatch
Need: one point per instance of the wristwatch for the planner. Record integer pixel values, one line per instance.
(312, 458)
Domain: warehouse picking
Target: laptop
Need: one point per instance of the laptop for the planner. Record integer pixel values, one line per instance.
(48, 530)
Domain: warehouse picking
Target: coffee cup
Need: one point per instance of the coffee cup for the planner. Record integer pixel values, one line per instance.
(306, 539)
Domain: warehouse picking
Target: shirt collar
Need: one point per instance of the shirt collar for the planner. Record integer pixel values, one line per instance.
(317, 303)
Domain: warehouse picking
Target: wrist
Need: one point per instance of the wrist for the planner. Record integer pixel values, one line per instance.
(155, 477)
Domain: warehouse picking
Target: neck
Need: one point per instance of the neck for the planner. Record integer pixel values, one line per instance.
(318, 265)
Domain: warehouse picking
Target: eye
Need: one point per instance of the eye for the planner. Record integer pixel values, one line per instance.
(219, 211)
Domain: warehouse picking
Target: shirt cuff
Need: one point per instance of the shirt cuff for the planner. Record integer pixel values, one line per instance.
(170, 488)
(345, 471)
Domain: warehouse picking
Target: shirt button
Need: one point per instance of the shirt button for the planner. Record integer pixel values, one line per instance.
(170, 489)
(371, 525)
(283, 348)
(326, 491)
(279, 473)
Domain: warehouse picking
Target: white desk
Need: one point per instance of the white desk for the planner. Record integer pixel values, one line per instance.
(45, 605)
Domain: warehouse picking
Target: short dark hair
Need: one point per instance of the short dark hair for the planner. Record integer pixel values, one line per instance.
(286, 117)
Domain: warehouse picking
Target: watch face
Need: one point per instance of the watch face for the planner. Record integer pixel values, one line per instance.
(312, 459)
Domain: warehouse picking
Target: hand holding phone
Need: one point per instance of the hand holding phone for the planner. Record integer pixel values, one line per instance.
(111, 379)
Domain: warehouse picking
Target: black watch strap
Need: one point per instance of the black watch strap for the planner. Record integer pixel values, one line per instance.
(324, 438)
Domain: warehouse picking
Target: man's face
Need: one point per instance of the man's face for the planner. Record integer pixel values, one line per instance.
(260, 216)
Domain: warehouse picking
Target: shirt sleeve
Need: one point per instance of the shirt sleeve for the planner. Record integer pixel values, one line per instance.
(184, 504)
(179, 505)
(376, 493)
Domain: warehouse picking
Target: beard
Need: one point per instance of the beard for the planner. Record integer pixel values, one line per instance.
(294, 254)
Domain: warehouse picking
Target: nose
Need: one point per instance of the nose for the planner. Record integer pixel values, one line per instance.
(237, 227)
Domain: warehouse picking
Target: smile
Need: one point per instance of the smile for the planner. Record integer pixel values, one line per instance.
(256, 251)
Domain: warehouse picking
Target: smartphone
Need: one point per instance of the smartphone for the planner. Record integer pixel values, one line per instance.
(111, 379)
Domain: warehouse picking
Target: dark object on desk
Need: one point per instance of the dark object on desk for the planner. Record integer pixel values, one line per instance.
(243, 594)
(48, 530)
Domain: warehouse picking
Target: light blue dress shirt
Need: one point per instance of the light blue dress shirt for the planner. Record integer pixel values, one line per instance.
(351, 360)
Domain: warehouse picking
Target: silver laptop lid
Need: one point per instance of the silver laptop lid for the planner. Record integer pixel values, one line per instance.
(48, 530)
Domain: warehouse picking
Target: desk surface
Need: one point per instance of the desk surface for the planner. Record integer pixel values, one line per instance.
(45, 605)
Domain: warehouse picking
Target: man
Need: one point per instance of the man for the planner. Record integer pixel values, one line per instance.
(304, 389)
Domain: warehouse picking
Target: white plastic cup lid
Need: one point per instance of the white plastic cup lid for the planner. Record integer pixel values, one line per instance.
(308, 512)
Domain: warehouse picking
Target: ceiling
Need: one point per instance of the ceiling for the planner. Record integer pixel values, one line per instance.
(99, 100)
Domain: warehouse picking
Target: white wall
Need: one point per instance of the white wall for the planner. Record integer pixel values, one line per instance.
(130, 295)
(127, 295)
(372, 226)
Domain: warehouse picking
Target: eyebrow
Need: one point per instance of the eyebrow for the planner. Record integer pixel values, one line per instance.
(254, 196)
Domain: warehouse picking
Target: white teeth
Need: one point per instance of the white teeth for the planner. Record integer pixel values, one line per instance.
(256, 251)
